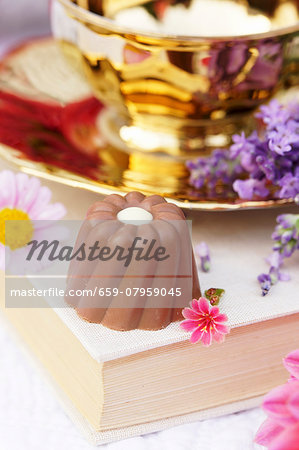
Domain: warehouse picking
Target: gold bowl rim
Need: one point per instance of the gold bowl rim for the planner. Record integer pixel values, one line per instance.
(161, 39)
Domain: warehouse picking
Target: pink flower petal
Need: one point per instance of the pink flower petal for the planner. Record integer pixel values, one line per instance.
(189, 325)
(196, 336)
(222, 329)
(219, 338)
(276, 403)
(29, 194)
(42, 200)
(194, 305)
(54, 231)
(214, 311)
(21, 183)
(291, 363)
(8, 189)
(17, 263)
(206, 339)
(288, 439)
(52, 212)
(268, 431)
(221, 318)
(294, 404)
(204, 306)
(189, 314)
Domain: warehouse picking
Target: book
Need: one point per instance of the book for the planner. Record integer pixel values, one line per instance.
(128, 383)
(165, 382)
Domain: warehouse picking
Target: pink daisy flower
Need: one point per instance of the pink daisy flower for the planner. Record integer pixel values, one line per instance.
(205, 322)
(25, 201)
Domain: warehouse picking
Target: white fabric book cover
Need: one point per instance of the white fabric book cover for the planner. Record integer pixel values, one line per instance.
(239, 243)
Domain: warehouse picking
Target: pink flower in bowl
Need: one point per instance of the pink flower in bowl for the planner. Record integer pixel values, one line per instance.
(205, 322)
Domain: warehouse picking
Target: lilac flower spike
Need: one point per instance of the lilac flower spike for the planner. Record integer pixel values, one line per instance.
(203, 252)
(208, 172)
(265, 282)
(286, 242)
(253, 164)
(256, 165)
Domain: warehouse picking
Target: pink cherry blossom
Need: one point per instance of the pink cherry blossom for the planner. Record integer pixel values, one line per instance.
(205, 322)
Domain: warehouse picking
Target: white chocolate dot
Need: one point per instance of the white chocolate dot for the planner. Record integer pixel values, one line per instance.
(134, 215)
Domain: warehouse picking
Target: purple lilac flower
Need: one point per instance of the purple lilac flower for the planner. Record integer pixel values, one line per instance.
(266, 166)
(289, 186)
(286, 221)
(275, 260)
(259, 164)
(249, 162)
(250, 188)
(254, 163)
(280, 145)
(273, 114)
(265, 281)
(275, 274)
(203, 252)
(286, 242)
(240, 144)
(282, 137)
(293, 109)
(209, 172)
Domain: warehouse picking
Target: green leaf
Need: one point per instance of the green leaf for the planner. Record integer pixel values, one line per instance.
(214, 295)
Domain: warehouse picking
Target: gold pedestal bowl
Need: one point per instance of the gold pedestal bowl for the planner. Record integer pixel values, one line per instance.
(176, 82)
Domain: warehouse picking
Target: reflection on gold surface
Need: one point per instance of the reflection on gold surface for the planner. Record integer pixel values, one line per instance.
(179, 93)
(160, 16)
(286, 13)
(38, 143)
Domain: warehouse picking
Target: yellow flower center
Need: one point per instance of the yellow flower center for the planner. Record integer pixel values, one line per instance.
(20, 231)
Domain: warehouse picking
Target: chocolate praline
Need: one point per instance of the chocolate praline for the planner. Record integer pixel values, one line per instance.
(104, 224)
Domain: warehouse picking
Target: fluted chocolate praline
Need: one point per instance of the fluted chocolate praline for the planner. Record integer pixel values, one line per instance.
(102, 225)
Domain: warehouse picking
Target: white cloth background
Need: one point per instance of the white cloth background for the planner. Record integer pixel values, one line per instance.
(30, 416)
